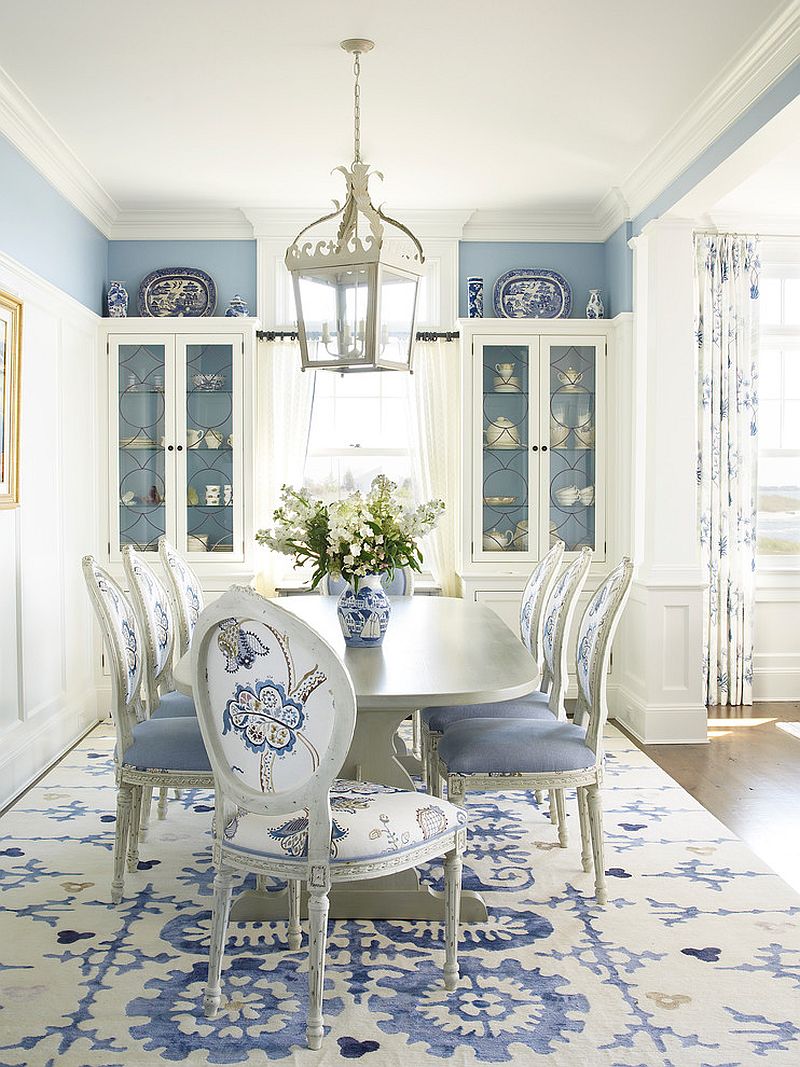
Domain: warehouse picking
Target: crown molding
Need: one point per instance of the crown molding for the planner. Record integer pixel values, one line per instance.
(757, 66)
(590, 223)
(181, 224)
(758, 222)
(32, 135)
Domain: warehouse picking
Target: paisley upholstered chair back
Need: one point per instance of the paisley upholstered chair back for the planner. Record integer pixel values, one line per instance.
(534, 596)
(595, 636)
(154, 613)
(187, 593)
(121, 637)
(276, 707)
(558, 612)
(401, 583)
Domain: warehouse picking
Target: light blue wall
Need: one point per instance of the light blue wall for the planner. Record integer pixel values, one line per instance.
(45, 233)
(583, 265)
(232, 265)
(619, 271)
(765, 108)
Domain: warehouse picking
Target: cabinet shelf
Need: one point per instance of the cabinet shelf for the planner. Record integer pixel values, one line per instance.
(504, 448)
(216, 507)
(209, 392)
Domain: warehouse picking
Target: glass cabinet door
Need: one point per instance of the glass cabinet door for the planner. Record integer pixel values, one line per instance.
(143, 423)
(209, 462)
(506, 377)
(574, 495)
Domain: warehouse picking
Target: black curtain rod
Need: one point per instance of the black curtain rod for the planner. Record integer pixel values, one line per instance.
(422, 335)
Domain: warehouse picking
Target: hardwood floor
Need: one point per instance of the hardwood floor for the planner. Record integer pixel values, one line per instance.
(748, 776)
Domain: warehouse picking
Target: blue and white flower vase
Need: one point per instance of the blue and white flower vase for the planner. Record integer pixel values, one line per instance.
(595, 309)
(364, 616)
(237, 308)
(117, 299)
(475, 298)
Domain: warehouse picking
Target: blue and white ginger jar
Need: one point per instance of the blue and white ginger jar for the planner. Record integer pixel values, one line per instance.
(595, 309)
(475, 298)
(237, 308)
(117, 299)
(364, 616)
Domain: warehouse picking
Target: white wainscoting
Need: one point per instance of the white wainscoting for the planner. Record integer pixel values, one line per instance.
(776, 655)
(48, 655)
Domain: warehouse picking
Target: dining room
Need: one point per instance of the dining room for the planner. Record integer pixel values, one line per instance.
(400, 534)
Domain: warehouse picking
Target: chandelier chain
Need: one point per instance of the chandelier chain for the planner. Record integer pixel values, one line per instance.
(357, 109)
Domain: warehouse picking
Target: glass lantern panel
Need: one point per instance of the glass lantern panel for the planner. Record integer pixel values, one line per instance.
(506, 492)
(141, 405)
(333, 304)
(209, 448)
(572, 445)
(398, 297)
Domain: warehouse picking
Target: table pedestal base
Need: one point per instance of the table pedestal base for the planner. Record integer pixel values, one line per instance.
(398, 896)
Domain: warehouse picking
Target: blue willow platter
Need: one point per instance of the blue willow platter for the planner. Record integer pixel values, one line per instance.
(177, 291)
(532, 293)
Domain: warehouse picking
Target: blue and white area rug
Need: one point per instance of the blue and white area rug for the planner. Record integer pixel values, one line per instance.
(694, 961)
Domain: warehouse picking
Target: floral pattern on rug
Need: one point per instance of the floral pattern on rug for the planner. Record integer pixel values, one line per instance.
(694, 961)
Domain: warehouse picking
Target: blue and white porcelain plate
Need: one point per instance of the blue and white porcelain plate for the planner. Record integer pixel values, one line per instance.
(177, 291)
(532, 293)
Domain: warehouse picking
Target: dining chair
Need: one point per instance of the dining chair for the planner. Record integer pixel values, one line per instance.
(493, 753)
(187, 593)
(277, 728)
(150, 752)
(543, 599)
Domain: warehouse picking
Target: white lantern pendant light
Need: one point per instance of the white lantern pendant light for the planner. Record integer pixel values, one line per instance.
(357, 275)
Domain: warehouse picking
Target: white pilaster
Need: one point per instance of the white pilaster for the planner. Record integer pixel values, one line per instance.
(658, 693)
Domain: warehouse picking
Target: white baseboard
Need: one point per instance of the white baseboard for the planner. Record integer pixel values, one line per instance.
(776, 676)
(660, 724)
(30, 748)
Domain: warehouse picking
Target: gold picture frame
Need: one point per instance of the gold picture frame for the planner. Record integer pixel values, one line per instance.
(10, 359)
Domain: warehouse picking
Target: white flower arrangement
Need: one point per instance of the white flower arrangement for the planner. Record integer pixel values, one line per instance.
(353, 537)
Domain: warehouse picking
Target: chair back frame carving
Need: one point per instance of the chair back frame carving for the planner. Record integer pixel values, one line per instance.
(154, 612)
(534, 597)
(556, 626)
(186, 590)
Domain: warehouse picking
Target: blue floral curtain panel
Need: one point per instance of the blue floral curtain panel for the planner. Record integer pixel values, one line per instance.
(726, 276)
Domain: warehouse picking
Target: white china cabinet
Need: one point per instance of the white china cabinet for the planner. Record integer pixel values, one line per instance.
(534, 423)
(180, 402)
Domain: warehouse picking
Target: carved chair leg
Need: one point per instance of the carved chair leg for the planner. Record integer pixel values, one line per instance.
(261, 883)
(586, 838)
(144, 818)
(162, 802)
(452, 913)
(551, 797)
(124, 798)
(457, 790)
(219, 927)
(133, 833)
(561, 816)
(435, 779)
(539, 795)
(416, 732)
(178, 794)
(294, 931)
(596, 824)
(317, 935)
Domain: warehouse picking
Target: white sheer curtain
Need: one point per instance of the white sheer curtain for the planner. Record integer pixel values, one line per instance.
(434, 408)
(726, 278)
(283, 418)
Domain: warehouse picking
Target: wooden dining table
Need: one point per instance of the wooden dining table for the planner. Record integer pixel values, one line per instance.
(438, 651)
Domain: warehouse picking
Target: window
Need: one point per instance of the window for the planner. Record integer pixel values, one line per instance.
(779, 416)
(359, 428)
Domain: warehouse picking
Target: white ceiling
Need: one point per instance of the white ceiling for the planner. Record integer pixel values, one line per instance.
(519, 105)
(773, 191)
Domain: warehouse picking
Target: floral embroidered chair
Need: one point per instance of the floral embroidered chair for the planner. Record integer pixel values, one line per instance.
(531, 617)
(187, 593)
(150, 753)
(277, 710)
(554, 754)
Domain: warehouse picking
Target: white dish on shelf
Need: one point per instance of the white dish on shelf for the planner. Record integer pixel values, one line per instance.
(137, 442)
(499, 501)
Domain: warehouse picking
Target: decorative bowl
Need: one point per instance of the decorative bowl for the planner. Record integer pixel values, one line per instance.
(208, 383)
(499, 501)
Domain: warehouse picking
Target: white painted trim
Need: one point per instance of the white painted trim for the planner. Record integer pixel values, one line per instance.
(31, 287)
(181, 224)
(658, 724)
(588, 223)
(762, 223)
(756, 67)
(776, 676)
(32, 135)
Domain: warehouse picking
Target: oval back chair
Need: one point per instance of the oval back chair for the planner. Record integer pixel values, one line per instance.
(152, 606)
(534, 598)
(277, 711)
(187, 593)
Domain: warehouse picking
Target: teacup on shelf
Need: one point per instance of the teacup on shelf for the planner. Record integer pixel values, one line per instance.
(558, 434)
(584, 437)
(570, 377)
(497, 540)
(586, 496)
(568, 495)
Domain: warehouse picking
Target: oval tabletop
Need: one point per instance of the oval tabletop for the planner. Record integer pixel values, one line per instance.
(437, 651)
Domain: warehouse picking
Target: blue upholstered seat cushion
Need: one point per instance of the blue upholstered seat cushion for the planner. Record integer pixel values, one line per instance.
(167, 745)
(532, 706)
(369, 822)
(514, 746)
(174, 706)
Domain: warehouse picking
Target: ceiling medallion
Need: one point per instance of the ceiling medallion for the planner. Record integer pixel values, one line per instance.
(356, 288)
